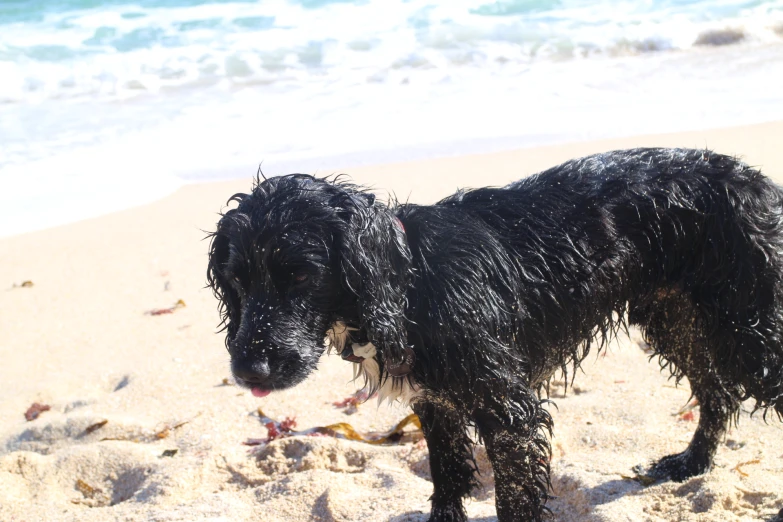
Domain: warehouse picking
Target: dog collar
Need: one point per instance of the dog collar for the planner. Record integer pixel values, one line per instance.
(357, 353)
(399, 224)
(405, 366)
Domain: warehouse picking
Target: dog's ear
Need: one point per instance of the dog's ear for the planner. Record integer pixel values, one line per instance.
(376, 265)
(228, 299)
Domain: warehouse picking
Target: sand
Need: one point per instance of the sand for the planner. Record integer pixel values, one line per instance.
(80, 341)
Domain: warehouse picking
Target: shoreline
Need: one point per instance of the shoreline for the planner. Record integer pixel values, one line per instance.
(534, 158)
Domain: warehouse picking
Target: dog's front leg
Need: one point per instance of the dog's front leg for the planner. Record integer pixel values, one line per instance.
(515, 429)
(451, 459)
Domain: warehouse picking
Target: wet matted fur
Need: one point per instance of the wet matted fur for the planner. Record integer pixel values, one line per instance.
(466, 308)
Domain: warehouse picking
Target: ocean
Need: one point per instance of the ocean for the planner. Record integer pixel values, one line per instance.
(110, 104)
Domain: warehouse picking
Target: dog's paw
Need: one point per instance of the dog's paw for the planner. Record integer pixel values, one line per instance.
(448, 513)
(679, 467)
(778, 517)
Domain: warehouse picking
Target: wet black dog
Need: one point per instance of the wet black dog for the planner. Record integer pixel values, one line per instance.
(465, 308)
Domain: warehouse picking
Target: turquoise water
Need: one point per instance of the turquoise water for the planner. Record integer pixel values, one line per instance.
(73, 48)
(106, 104)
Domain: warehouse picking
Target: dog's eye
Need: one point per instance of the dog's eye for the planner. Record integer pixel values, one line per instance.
(301, 278)
(237, 283)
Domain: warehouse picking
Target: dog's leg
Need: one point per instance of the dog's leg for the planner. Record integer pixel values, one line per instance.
(515, 431)
(717, 407)
(671, 323)
(451, 459)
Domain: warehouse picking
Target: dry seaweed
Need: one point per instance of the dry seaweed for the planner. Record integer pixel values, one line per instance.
(87, 490)
(738, 467)
(169, 453)
(170, 310)
(166, 431)
(35, 410)
(340, 430)
(160, 434)
(94, 427)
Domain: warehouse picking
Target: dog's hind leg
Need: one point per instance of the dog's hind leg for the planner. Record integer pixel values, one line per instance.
(515, 428)
(670, 323)
(451, 459)
(716, 407)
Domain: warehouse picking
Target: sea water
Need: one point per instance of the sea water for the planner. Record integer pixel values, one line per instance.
(110, 104)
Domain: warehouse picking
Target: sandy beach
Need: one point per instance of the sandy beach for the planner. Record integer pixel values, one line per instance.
(144, 423)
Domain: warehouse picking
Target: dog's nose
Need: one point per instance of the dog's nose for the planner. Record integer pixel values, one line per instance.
(252, 372)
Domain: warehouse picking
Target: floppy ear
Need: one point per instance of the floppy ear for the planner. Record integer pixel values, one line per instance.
(376, 265)
(228, 299)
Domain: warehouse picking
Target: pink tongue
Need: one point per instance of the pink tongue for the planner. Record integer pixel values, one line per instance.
(258, 392)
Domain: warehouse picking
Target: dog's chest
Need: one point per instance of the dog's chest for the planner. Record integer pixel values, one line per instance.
(365, 365)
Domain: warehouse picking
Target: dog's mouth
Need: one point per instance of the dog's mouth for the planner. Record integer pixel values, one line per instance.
(254, 388)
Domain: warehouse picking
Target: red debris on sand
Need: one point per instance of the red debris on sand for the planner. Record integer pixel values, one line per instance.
(35, 410)
(272, 431)
(351, 404)
(686, 412)
(688, 416)
(347, 402)
(278, 430)
(288, 424)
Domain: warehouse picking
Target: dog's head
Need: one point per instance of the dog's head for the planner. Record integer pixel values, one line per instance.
(297, 256)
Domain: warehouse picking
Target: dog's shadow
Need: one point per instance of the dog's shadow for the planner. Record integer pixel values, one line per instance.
(616, 489)
(418, 516)
(599, 494)
(563, 503)
(321, 509)
(571, 495)
(612, 490)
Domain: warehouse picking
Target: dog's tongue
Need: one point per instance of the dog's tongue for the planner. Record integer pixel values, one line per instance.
(258, 392)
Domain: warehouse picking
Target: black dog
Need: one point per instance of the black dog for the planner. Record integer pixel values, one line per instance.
(465, 308)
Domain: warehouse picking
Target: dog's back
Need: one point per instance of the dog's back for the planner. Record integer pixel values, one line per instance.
(627, 232)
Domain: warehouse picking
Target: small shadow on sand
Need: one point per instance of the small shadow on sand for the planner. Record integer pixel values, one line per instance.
(320, 511)
(418, 516)
(612, 490)
(573, 496)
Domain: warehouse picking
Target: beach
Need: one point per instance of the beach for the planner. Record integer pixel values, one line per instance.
(107, 321)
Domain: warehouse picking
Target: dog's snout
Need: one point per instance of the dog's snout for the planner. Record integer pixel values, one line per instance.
(252, 372)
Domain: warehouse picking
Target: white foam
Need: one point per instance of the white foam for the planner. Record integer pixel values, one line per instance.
(347, 84)
(368, 39)
(70, 187)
